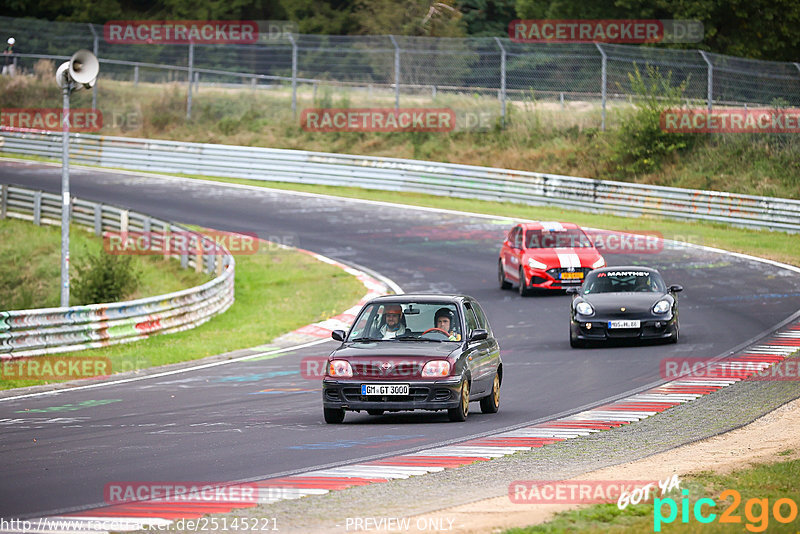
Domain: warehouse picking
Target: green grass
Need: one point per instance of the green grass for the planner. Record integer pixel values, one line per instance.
(31, 259)
(277, 291)
(771, 481)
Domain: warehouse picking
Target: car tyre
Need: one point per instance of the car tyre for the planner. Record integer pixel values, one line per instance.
(501, 276)
(523, 290)
(375, 412)
(674, 337)
(459, 414)
(333, 416)
(491, 403)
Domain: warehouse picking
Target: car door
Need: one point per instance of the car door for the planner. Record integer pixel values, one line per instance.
(478, 356)
(493, 362)
(512, 253)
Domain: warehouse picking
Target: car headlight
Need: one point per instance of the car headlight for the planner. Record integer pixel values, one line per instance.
(436, 368)
(599, 263)
(584, 308)
(340, 369)
(533, 264)
(662, 306)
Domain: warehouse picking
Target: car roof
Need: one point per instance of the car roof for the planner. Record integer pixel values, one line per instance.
(550, 226)
(421, 297)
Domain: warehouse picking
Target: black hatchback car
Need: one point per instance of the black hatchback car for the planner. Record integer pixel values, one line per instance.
(624, 303)
(414, 352)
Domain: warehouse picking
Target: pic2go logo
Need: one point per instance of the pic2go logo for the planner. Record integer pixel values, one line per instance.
(783, 510)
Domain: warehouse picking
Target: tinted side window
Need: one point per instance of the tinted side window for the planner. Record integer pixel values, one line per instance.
(472, 323)
(482, 322)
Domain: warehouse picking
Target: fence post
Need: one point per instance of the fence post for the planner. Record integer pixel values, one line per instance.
(196, 82)
(294, 75)
(502, 79)
(98, 219)
(710, 96)
(96, 49)
(396, 72)
(191, 72)
(797, 65)
(3, 200)
(604, 82)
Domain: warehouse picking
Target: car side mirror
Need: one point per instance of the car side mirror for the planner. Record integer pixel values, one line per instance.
(573, 290)
(675, 288)
(338, 335)
(478, 335)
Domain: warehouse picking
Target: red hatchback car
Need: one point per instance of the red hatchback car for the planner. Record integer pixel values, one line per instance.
(546, 255)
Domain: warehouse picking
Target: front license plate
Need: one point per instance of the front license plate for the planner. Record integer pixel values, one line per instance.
(572, 276)
(384, 389)
(624, 324)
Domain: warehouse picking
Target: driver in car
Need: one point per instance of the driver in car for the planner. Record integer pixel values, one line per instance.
(393, 322)
(443, 320)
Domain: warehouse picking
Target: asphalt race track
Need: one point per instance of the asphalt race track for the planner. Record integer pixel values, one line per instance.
(263, 418)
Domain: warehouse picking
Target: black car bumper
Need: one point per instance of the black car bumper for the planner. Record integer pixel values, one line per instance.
(423, 395)
(649, 329)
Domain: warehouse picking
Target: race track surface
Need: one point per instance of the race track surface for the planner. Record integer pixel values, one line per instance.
(263, 418)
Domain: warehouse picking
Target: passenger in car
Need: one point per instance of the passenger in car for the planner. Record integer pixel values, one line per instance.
(394, 323)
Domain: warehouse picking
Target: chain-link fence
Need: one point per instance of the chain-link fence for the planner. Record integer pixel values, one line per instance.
(420, 65)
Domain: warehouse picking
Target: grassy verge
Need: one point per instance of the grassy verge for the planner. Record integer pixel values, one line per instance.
(539, 135)
(766, 482)
(31, 260)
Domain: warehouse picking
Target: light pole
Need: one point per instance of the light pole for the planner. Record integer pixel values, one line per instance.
(77, 73)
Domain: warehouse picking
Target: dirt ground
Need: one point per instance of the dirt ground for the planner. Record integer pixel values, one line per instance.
(760, 441)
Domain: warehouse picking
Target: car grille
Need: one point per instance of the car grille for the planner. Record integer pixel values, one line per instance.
(415, 394)
(374, 370)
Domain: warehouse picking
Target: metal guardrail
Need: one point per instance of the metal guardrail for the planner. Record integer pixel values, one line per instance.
(392, 174)
(53, 330)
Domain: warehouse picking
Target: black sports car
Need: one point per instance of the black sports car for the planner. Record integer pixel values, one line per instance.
(414, 352)
(623, 303)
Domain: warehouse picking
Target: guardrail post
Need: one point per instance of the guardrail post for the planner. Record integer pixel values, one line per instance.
(37, 208)
(294, 75)
(136, 74)
(191, 72)
(502, 79)
(3, 200)
(710, 95)
(123, 221)
(98, 219)
(146, 226)
(96, 49)
(196, 82)
(396, 72)
(603, 83)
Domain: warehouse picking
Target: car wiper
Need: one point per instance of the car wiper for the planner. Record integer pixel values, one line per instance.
(362, 339)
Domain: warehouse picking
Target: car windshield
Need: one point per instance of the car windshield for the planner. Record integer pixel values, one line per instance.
(623, 281)
(572, 238)
(407, 321)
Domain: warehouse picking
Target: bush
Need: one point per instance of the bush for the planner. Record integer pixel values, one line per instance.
(104, 277)
(641, 145)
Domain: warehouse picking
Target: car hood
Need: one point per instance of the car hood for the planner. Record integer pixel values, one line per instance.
(406, 350)
(564, 257)
(632, 302)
